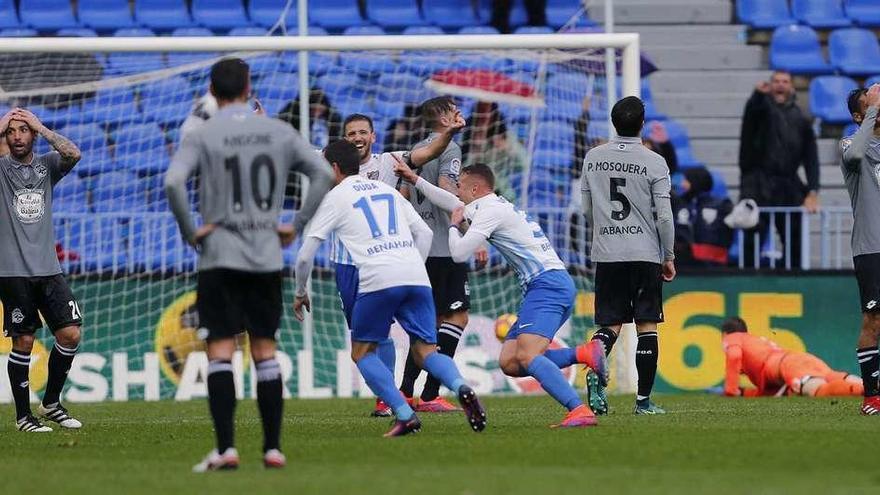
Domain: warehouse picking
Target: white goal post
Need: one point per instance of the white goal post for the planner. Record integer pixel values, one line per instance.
(133, 276)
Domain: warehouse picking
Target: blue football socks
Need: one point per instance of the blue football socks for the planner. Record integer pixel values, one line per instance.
(443, 368)
(381, 382)
(562, 358)
(387, 353)
(548, 375)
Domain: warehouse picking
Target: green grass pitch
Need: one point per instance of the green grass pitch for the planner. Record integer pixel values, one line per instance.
(705, 445)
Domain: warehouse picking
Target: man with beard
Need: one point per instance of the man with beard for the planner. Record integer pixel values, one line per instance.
(31, 281)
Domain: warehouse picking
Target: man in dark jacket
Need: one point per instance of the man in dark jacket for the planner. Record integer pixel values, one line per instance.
(776, 139)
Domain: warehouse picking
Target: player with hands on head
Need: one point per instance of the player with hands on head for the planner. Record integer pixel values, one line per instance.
(31, 281)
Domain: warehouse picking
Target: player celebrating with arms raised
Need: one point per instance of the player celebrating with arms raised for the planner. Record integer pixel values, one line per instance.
(358, 130)
(861, 172)
(31, 282)
(624, 184)
(548, 289)
(388, 242)
(243, 159)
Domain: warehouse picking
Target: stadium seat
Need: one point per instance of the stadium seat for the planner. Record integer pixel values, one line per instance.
(764, 14)
(105, 14)
(248, 31)
(18, 33)
(478, 30)
(99, 242)
(174, 88)
(395, 13)
(157, 245)
(822, 14)
(534, 30)
(220, 14)
(77, 33)
(850, 129)
(863, 12)
(422, 30)
(277, 86)
(828, 96)
(336, 84)
(97, 161)
(363, 31)
(407, 88)
(560, 11)
(88, 137)
(181, 58)
(117, 192)
(135, 138)
(335, 14)
(854, 51)
(872, 81)
(796, 49)
(111, 105)
(162, 14)
(129, 63)
(133, 32)
(267, 12)
(387, 110)
(47, 15)
(150, 162)
(450, 13)
(8, 15)
(679, 137)
(70, 195)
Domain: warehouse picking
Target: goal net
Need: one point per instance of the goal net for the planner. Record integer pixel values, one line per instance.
(534, 105)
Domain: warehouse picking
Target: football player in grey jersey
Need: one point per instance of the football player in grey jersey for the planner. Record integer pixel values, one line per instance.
(31, 282)
(243, 160)
(626, 197)
(861, 171)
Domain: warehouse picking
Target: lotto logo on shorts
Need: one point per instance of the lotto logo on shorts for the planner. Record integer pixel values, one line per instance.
(871, 304)
(17, 316)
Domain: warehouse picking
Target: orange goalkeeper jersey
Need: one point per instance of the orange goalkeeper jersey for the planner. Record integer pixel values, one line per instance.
(749, 354)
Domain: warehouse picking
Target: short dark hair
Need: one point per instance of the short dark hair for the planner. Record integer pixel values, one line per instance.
(432, 109)
(345, 155)
(229, 78)
(781, 71)
(628, 116)
(734, 324)
(482, 171)
(356, 117)
(853, 101)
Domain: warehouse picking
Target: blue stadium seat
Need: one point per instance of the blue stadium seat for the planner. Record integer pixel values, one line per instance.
(534, 30)
(150, 162)
(98, 241)
(118, 192)
(220, 14)
(136, 138)
(407, 88)
(248, 31)
(335, 84)
(267, 12)
(560, 11)
(450, 14)
(796, 49)
(850, 129)
(828, 98)
(133, 32)
(129, 63)
(422, 30)
(764, 14)
(872, 81)
(111, 105)
(387, 110)
(157, 245)
(719, 187)
(478, 30)
(679, 137)
(822, 14)
(854, 51)
(181, 58)
(335, 14)
(863, 12)
(174, 88)
(162, 14)
(71, 187)
(277, 86)
(88, 137)
(47, 15)
(18, 33)
(597, 130)
(395, 13)
(77, 33)
(97, 161)
(8, 15)
(363, 31)
(105, 14)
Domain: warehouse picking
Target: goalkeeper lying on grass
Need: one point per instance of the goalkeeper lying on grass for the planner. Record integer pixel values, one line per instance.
(776, 371)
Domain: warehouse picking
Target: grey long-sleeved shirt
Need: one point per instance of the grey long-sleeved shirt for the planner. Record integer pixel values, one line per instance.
(243, 160)
(861, 172)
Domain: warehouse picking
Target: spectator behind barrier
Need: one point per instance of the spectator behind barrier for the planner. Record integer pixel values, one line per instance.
(701, 236)
(486, 139)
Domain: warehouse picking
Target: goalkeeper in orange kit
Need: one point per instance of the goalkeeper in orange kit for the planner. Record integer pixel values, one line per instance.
(776, 371)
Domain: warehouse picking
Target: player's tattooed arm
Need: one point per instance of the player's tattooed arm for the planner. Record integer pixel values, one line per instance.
(435, 148)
